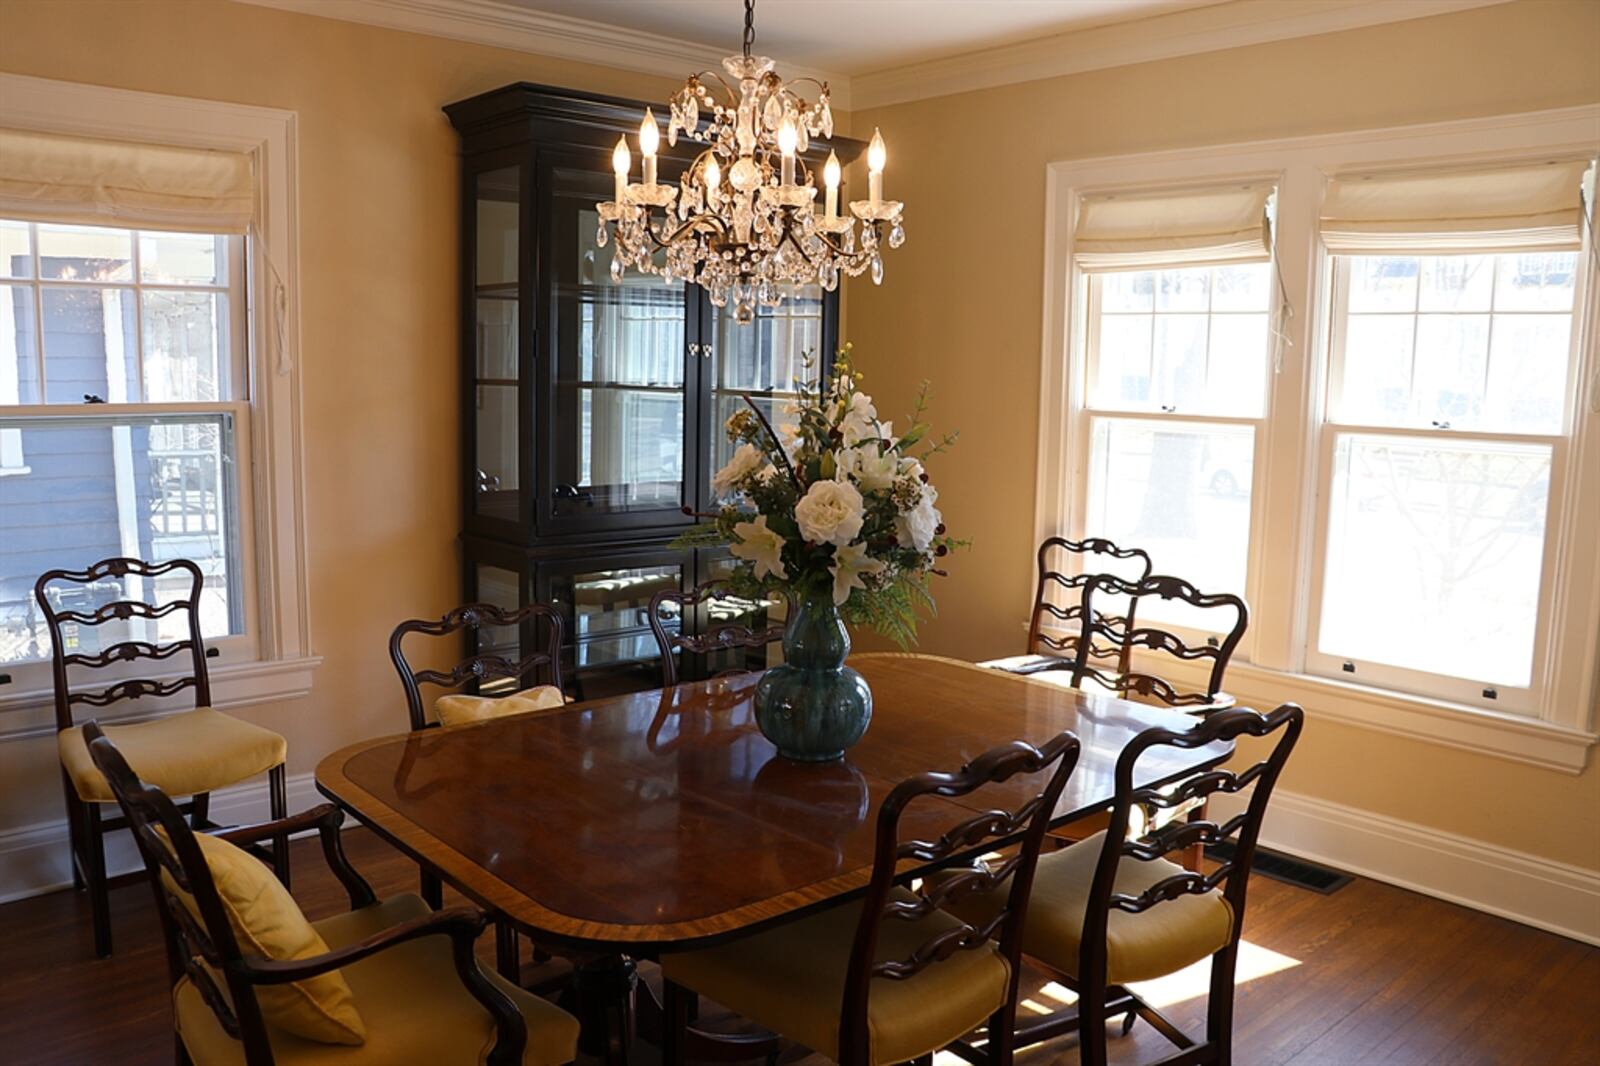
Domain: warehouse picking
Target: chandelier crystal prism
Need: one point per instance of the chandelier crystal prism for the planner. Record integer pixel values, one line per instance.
(742, 221)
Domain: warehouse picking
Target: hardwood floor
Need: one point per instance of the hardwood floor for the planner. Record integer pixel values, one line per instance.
(1371, 974)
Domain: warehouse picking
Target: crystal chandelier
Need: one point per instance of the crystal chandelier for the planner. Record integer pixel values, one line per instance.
(741, 222)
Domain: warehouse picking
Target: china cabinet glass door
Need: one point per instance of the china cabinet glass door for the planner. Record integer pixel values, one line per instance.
(768, 360)
(623, 413)
(497, 381)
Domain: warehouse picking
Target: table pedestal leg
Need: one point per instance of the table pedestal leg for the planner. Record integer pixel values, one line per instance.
(602, 992)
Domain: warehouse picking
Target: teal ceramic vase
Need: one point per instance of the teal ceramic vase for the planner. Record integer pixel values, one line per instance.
(812, 706)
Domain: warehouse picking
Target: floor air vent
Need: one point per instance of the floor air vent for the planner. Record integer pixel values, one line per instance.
(1286, 868)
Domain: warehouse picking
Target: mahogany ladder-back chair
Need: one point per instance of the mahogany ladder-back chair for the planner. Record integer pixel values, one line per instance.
(895, 977)
(379, 949)
(189, 753)
(478, 667)
(721, 635)
(1088, 921)
(1047, 651)
(1097, 630)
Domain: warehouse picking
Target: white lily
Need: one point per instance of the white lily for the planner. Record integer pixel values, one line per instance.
(760, 546)
(850, 563)
(869, 467)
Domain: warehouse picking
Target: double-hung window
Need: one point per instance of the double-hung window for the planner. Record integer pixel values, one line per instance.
(125, 414)
(1178, 337)
(1446, 438)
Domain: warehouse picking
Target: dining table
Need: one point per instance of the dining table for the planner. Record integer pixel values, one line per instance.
(621, 829)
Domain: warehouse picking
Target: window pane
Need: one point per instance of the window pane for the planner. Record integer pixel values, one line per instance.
(85, 253)
(1242, 287)
(1434, 556)
(1123, 372)
(1528, 373)
(1123, 290)
(1456, 283)
(1538, 282)
(1183, 290)
(16, 258)
(1179, 364)
(19, 368)
(90, 345)
(1377, 369)
(185, 346)
(1236, 375)
(148, 487)
(183, 259)
(1180, 491)
(1452, 363)
(1383, 283)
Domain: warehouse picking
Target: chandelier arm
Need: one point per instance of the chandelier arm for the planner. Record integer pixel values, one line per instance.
(689, 224)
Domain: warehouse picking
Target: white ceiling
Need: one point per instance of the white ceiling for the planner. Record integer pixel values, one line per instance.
(853, 37)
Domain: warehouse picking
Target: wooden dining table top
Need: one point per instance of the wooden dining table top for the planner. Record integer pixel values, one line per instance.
(664, 818)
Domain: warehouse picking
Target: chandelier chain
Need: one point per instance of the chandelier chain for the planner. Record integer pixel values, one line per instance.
(749, 26)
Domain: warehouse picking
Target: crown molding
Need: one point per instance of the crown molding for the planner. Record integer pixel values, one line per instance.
(521, 29)
(1179, 33)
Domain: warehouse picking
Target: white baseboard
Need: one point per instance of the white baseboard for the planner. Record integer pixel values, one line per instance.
(35, 859)
(1554, 896)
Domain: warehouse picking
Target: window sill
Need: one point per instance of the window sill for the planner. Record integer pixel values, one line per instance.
(32, 713)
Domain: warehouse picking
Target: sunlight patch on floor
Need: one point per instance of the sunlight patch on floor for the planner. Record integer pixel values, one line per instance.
(1194, 981)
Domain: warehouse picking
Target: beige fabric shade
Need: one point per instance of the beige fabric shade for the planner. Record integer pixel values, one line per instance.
(51, 177)
(1187, 227)
(1533, 206)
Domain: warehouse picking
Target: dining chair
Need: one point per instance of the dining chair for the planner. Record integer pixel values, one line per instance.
(188, 753)
(483, 663)
(726, 628)
(1057, 651)
(389, 981)
(1224, 613)
(893, 977)
(1113, 910)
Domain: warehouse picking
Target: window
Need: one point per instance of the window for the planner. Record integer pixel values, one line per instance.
(1177, 375)
(1407, 402)
(1446, 419)
(121, 408)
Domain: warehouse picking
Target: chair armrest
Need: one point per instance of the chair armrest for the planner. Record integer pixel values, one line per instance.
(326, 819)
(461, 924)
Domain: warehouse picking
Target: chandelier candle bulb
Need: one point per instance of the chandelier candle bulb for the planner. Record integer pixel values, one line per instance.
(713, 176)
(830, 178)
(877, 155)
(788, 140)
(649, 141)
(621, 161)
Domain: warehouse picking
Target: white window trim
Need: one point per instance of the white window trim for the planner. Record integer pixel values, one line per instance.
(1562, 733)
(284, 663)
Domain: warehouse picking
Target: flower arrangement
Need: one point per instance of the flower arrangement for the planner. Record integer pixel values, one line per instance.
(833, 503)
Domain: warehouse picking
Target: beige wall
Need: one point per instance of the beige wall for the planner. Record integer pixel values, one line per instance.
(378, 222)
(962, 305)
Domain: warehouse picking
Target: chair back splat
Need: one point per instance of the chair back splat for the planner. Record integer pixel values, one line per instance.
(1124, 636)
(1057, 758)
(720, 635)
(56, 587)
(1232, 875)
(1098, 556)
(481, 665)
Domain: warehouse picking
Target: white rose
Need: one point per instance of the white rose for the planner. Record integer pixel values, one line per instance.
(916, 528)
(747, 459)
(911, 468)
(858, 419)
(869, 467)
(829, 513)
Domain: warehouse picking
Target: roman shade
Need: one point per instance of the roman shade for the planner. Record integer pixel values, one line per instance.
(60, 178)
(1185, 227)
(1531, 206)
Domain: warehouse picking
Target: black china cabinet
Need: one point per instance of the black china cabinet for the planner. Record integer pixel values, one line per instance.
(593, 409)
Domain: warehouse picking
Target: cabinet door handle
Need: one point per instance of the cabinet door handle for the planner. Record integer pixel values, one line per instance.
(706, 351)
(694, 349)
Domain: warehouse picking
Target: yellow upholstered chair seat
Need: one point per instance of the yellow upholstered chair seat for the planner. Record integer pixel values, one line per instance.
(459, 709)
(417, 1011)
(182, 754)
(791, 980)
(1159, 941)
